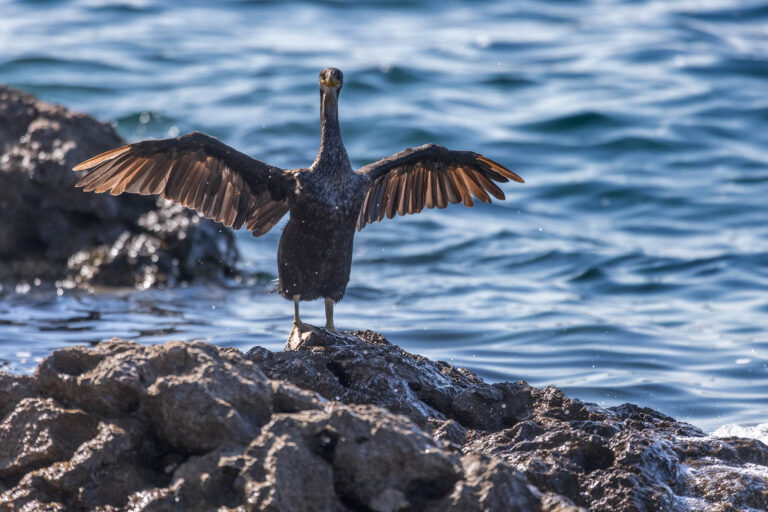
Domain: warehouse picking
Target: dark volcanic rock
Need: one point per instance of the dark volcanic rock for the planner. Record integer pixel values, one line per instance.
(195, 427)
(576, 454)
(189, 426)
(377, 372)
(52, 231)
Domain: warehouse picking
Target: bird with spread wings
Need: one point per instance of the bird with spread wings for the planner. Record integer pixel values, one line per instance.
(327, 201)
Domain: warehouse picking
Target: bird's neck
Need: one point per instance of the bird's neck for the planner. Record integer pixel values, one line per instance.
(331, 157)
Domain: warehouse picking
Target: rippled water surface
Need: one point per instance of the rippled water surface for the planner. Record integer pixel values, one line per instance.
(632, 265)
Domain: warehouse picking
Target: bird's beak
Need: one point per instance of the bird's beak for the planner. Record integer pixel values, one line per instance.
(331, 82)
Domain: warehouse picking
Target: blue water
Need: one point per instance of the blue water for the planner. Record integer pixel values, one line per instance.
(632, 265)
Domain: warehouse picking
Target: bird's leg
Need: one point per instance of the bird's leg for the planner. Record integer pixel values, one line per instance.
(296, 319)
(329, 315)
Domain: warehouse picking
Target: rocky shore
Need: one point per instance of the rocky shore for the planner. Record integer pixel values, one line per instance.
(356, 424)
(52, 232)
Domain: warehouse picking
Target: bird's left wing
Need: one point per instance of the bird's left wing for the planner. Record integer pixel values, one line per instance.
(430, 176)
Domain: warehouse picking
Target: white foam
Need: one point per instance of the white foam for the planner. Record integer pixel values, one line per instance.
(759, 432)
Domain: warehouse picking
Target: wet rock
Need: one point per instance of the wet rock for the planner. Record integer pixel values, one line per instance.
(359, 457)
(189, 426)
(39, 432)
(194, 397)
(574, 455)
(377, 372)
(12, 389)
(103, 467)
(52, 231)
(349, 423)
(489, 484)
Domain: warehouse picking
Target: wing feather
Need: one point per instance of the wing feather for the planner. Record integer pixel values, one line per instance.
(380, 197)
(488, 186)
(404, 193)
(417, 197)
(140, 176)
(130, 172)
(104, 176)
(393, 196)
(157, 177)
(443, 183)
(430, 194)
(441, 193)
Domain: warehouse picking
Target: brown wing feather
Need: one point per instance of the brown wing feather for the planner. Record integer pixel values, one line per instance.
(429, 176)
(199, 172)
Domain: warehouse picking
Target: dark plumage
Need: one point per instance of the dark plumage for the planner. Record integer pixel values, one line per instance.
(326, 201)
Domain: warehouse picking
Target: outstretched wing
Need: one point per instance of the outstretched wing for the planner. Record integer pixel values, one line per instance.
(430, 176)
(199, 172)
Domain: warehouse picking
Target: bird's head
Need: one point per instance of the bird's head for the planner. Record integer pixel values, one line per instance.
(331, 79)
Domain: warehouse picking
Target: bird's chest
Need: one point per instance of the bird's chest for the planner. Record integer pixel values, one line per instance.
(340, 196)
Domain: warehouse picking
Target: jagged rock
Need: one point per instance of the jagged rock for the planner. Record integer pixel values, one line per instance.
(13, 388)
(489, 484)
(39, 432)
(380, 373)
(350, 424)
(574, 454)
(377, 372)
(52, 231)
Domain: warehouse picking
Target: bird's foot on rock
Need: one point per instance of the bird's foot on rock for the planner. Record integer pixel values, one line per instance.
(301, 326)
(305, 335)
(342, 336)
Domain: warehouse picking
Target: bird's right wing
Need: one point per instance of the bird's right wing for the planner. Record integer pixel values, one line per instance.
(199, 172)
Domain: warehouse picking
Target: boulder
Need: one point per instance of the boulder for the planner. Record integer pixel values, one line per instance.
(53, 232)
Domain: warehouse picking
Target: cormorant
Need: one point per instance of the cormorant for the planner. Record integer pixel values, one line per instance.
(326, 201)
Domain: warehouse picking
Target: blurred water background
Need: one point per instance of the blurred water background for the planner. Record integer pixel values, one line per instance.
(632, 265)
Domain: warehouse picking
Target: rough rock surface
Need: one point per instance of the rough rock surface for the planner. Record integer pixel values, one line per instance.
(354, 424)
(51, 231)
